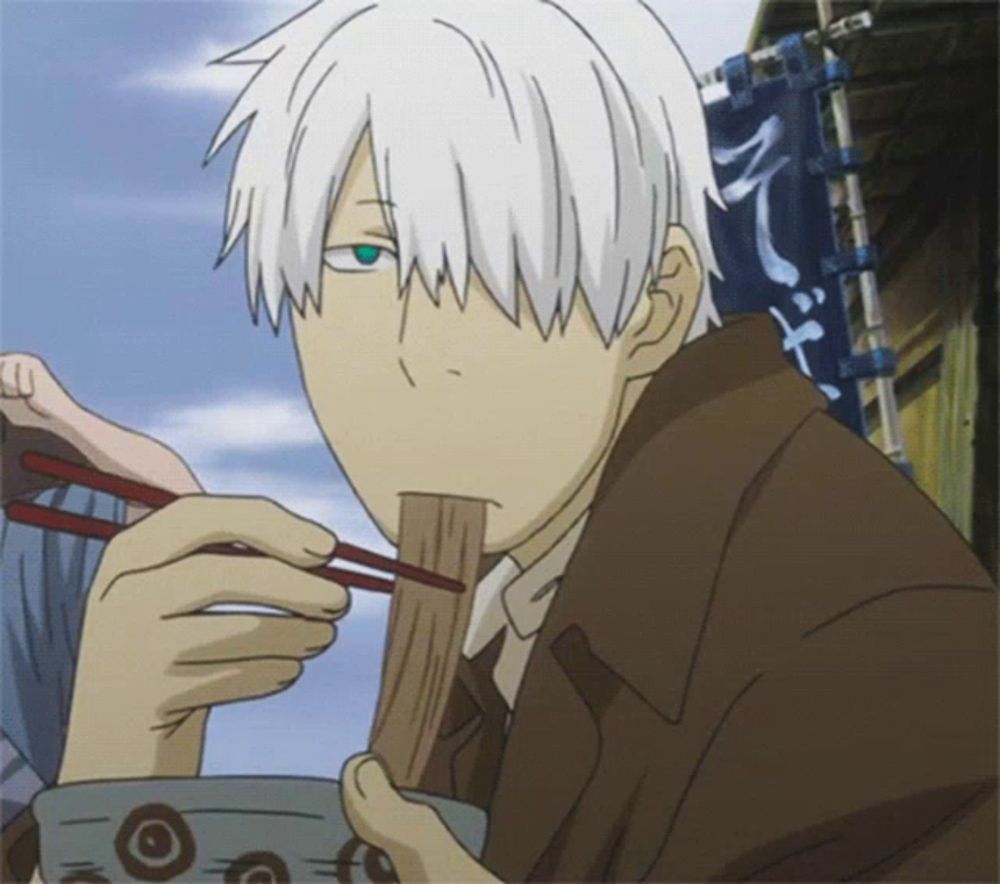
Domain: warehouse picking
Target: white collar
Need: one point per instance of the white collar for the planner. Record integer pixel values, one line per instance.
(508, 595)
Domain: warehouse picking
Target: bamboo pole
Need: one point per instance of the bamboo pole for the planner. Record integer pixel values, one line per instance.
(874, 324)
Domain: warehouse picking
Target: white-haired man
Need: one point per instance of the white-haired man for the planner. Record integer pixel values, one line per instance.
(720, 637)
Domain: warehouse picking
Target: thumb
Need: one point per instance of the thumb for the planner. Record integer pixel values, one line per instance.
(378, 814)
(415, 838)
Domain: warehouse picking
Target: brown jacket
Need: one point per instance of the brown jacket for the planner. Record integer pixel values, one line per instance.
(770, 657)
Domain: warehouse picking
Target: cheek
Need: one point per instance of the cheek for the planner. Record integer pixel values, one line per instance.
(340, 380)
(567, 392)
(348, 360)
(551, 442)
(349, 342)
(551, 421)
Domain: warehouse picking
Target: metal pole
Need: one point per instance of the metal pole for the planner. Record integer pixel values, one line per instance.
(874, 327)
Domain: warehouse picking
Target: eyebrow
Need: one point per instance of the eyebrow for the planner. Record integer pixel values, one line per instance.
(381, 234)
(376, 202)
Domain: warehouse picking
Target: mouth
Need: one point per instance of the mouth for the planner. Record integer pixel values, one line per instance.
(489, 501)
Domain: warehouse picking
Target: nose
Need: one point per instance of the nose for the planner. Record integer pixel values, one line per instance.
(415, 319)
(404, 311)
(406, 373)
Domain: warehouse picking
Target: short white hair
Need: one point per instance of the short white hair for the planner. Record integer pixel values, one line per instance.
(546, 141)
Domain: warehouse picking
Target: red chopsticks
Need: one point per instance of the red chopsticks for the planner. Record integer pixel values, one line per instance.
(87, 526)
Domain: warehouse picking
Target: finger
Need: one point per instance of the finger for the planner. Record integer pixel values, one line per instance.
(420, 845)
(380, 815)
(27, 381)
(196, 582)
(198, 520)
(10, 370)
(221, 638)
(6, 378)
(220, 683)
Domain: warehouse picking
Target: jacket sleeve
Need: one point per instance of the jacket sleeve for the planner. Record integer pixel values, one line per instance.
(19, 848)
(868, 752)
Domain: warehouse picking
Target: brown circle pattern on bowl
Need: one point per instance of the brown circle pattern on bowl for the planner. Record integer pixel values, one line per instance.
(259, 867)
(355, 852)
(154, 843)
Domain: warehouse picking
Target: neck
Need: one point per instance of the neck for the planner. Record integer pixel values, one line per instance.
(531, 550)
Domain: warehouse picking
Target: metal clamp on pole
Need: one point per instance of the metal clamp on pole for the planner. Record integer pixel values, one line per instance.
(738, 75)
(836, 162)
(880, 363)
(851, 262)
(799, 69)
(802, 73)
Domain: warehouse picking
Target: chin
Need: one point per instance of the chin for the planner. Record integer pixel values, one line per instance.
(386, 516)
(505, 530)
(492, 504)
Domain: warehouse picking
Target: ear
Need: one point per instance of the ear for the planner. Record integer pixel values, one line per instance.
(666, 308)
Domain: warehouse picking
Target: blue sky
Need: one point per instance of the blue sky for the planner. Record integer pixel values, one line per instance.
(109, 229)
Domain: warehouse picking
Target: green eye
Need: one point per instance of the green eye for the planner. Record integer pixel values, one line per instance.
(366, 254)
(358, 258)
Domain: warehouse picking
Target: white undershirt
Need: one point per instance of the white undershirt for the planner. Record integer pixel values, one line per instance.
(517, 601)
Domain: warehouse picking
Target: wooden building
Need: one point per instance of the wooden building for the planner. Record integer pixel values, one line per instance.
(923, 102)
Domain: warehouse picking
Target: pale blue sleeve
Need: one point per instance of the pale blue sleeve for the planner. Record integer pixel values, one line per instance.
(44, 580)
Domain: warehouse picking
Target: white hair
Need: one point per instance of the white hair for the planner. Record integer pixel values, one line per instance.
(546, 141)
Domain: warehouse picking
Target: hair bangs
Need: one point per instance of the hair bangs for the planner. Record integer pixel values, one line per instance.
(551, 171)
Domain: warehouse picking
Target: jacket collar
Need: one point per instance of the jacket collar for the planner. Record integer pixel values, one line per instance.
(636, 594)
(508, 597)
(643, 574)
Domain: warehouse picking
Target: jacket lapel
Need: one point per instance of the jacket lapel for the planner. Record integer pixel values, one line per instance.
(466, 755)
(462, 717)
(638, 590)
(551, 750)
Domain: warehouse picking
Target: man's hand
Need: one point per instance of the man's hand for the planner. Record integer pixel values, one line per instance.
(152, 661)
(412, 835)
(30, 395)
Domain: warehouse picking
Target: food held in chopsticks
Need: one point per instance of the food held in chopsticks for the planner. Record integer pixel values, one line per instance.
(425, 629)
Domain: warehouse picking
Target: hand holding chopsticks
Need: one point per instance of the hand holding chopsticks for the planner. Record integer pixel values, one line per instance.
(156, 498)
(155, 650)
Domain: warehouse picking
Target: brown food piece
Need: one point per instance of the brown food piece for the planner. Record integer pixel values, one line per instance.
(426, 629)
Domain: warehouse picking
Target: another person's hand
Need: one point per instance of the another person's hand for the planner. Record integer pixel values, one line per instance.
(152, 661)
(30, 395)
(411, 834)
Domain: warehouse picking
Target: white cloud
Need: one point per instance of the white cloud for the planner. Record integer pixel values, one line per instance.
(706, 36)
(191, 73)
(250, 422)
(187, 208)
